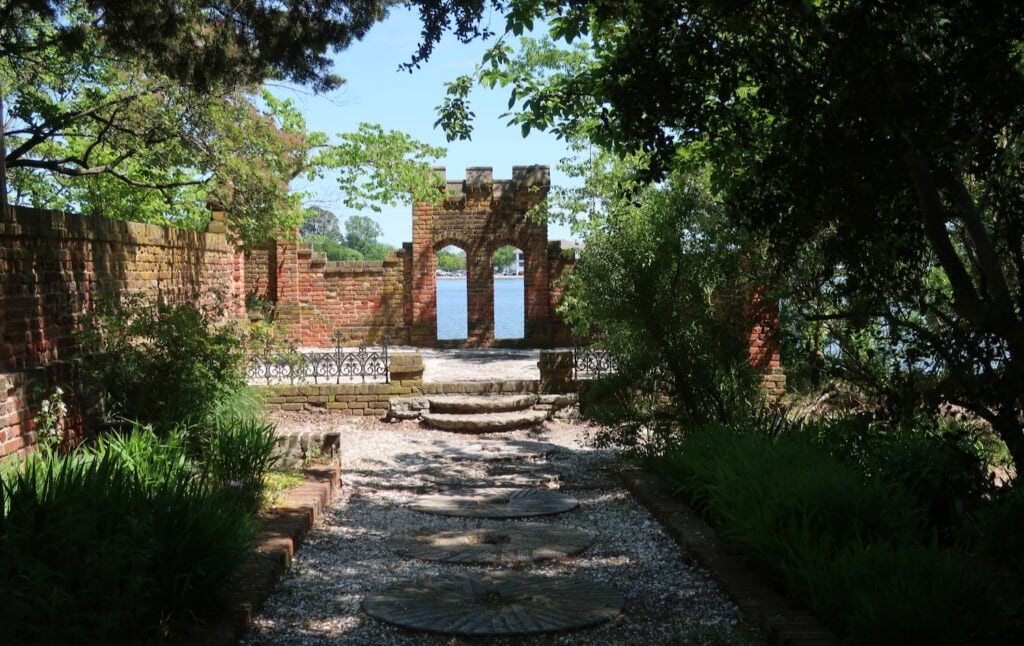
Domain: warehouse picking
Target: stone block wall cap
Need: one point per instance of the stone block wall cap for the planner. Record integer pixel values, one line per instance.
(535, 175)
(479, 178)
(406, 362)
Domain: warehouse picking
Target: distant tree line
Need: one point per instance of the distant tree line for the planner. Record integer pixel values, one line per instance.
(359, 242)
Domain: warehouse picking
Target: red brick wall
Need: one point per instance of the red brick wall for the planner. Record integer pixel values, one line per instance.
(315, 297)
(257, 273)
(765, 354)
(54, 265)
(480, 214)
(561, 260)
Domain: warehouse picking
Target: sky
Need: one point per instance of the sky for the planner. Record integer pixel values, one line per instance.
(375, 91)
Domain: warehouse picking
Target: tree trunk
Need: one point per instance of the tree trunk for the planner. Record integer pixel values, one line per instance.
(1009, 429)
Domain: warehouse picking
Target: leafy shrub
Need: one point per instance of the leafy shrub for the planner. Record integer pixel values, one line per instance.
(630, 419)
(160, 364)
(661, 279)
(857, 549)
(112, 546)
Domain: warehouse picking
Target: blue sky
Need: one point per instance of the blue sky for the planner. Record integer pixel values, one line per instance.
(376, 92)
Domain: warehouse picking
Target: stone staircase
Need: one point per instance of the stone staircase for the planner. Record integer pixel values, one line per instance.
(480, 413)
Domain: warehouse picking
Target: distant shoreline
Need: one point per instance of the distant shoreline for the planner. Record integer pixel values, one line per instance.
(496, 277)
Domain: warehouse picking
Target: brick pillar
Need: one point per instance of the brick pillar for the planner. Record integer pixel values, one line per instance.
(237, 309)
(560, 263)
(537, 308)
(406, 369)
(555, 371)
(763, 314)
(422, 275)
(284, 274)
(479, 297)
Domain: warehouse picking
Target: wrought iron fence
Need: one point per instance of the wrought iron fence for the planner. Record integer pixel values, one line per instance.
(285, 362)
(589, 361)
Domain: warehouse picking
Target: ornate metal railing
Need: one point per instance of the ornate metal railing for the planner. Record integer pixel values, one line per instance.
(589, 361)
(285, 362)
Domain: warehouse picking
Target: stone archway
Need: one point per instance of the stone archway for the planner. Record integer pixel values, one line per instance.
(479, 214)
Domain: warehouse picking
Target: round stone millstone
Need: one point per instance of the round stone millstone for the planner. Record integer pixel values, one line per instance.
(503, 603)
(512, 544)
(499, 450)
(495, 503)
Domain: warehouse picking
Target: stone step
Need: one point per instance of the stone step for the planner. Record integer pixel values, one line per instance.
(477, 404)
(484, 423)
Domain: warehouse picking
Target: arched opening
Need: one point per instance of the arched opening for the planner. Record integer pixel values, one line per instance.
(509, 293)
(452, 312)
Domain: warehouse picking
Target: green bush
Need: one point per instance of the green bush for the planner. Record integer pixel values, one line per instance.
(857, 549)
(112, 546)
(662, 281)
(160, 364)
(628, 418)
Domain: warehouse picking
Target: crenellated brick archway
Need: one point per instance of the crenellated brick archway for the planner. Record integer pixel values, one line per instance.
(480, 214)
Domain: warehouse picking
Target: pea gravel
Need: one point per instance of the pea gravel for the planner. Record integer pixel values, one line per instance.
(385, 466)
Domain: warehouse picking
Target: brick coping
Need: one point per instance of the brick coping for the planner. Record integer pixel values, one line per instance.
(285, 527)
(782, 622)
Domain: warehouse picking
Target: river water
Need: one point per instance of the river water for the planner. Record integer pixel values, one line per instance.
(508, 309)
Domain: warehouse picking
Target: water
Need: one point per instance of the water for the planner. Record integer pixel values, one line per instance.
(508, 309)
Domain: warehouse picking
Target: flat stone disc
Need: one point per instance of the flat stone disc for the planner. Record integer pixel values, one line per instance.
(511, 544)
(500, 450)
(504, 603)
(495, 503)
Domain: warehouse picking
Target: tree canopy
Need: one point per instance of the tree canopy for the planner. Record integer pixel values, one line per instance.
(320, 222)
(875, 144)
(204, 44)
(150, 112)
(504, 258)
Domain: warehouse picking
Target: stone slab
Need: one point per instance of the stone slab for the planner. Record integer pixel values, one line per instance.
(511, 544)
(485, 423)
(500, 450)
(495, 503)
(477, 404)
(504, 603)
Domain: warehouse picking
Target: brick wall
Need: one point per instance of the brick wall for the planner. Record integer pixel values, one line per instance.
(765, 353)
(54, 266)
(315, 297)
(257, 273)
(480, 214)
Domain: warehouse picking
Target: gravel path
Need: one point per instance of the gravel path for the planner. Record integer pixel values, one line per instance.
(384, 466)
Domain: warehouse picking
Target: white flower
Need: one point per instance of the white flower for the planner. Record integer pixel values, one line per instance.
(58, 391)
(46, 405)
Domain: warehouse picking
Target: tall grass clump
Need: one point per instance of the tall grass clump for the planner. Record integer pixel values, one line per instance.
(859, 550)
(237, 454)
(114, 545)
(943, 465)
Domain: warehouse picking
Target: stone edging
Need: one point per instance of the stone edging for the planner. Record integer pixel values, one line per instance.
(782, 622)
(285, 527)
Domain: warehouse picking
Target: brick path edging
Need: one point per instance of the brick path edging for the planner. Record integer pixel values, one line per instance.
(782, 622)
(285, 527)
